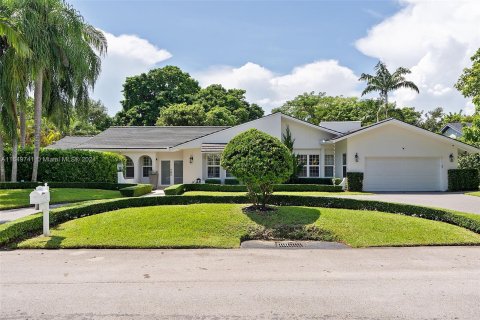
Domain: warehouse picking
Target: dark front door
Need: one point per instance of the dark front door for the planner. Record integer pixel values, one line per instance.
(165, 173)
(177, 171)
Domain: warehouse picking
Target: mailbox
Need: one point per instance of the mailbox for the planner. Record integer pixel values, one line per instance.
(41, 197)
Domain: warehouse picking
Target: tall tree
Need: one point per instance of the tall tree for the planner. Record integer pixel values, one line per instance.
(469, 85)
(182, 114)
(65, 57)
(384, 82)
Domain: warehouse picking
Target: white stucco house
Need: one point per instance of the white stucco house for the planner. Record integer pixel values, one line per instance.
(393, 155)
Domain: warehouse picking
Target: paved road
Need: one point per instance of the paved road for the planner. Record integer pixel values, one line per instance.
(447, 200)
(388, 283)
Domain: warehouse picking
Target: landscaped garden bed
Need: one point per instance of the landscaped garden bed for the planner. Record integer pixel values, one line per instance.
(282, 193)
(226, 225)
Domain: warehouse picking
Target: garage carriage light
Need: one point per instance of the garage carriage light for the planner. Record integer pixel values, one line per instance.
(356, 157)
(451, 157)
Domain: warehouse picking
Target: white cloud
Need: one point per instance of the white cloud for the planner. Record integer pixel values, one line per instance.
(271, 90)
(128, 55)
(435, 40)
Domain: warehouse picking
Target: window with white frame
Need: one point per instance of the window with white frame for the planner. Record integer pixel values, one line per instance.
(302, 160)
(329, 160)
(146, 166)
(213, 165)
(309, 165)
(344, 165)
(129, 169)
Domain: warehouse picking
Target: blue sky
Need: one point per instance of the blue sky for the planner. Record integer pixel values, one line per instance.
(275, 48)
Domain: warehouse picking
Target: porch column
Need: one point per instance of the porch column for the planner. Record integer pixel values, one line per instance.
(136, 167)
(322, 162)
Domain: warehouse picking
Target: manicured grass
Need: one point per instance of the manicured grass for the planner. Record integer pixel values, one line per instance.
(476, 193)
(224, 225)
(287, 193)
(18, 198)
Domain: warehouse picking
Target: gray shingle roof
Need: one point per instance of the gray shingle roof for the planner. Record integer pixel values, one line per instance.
(457, 126)
(145, 137)
(69, 142)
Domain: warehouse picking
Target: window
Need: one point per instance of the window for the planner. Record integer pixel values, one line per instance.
(329, 160)
(310, 165)
(146, 166)
(302, 161)
(344, 165)
(129, 169)
(213, 165)
(228, 174)
(314, 165)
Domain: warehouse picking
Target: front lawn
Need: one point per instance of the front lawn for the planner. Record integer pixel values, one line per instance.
(285, 193)
(224, 225)
(476, 193)
(18, 198)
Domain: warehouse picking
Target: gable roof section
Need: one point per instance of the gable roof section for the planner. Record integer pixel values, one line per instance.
(456, 126)
(69, 142)
(145, 137)
(460, 144)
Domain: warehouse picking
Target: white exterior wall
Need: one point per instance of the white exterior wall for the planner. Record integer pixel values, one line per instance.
(340, 149)
(306, 137)
(192, 171)
(391, 140)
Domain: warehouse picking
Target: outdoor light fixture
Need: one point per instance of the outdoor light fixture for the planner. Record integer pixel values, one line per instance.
(451, 157)
(191, 159)
(356, 157)
(120, 167)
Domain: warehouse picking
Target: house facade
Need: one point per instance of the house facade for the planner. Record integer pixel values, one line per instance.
(393, 155)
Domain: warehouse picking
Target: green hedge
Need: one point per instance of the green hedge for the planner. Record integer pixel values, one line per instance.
(213, 181)
(137, 190)
(17, 230)
(82, 185)
(231, 181)
(181, 188)
(355, 181)
(66, 165)
(463, 180)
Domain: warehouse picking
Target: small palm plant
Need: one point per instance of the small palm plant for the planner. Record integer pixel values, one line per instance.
(384, 82)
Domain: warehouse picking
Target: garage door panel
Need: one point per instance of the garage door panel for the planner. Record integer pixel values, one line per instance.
(402, 174)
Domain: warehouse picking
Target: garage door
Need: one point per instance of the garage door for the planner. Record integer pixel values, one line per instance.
(402, 174)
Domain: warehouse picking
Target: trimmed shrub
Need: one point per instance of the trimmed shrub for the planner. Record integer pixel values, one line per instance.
(175, 190)
(17, 230)
(232, 181)
(355, 181)
(136, 191)
(469, 161)
(327, 181)
(81, 185)
(66, 165)
(213, 181)
(182, 188)
(463, 180)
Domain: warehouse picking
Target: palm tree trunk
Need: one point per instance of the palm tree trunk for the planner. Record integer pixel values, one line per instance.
(14, 158)
(37, 100)
(2, 161)
(23, 129)
(386, 106)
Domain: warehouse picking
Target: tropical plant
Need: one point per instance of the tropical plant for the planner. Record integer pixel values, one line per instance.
(384, 82)
(259, 161)
(289, 141)
(65, 60)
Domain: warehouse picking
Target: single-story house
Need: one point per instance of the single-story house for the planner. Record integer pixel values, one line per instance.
(454, 129)
(393, 155)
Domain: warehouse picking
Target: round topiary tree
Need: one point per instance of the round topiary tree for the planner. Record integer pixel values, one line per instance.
(259, 161)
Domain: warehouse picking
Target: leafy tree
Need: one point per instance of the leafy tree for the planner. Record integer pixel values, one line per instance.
(182, 114)
(434, 120)
(219, 116)
(469, 85)
(259, 161)
(95, 115)
(408, 115)
(289, 141)
(147, 94)
(384, 82)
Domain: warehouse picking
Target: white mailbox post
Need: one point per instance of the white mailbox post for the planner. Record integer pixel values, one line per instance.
(41, 196)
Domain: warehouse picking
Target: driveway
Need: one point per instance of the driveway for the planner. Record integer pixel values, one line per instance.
(382, 283)
(447, 200)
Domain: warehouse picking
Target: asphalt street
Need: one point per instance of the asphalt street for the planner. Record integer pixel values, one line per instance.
(379, 283)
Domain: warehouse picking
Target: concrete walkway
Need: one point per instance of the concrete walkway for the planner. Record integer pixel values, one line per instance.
(362, 284)
(14, 214)
(446, 200)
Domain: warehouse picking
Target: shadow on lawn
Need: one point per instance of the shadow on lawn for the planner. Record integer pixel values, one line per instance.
(54, 242)
(287, 223)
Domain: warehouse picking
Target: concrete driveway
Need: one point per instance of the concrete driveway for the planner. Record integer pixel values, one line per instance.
(382, 283)
(447, 200)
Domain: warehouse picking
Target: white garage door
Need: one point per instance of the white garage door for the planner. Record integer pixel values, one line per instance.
(402, 174)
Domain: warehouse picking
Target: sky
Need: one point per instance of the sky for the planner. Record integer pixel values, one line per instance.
(276, 50)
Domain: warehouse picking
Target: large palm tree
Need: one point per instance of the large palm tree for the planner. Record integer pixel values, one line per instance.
(65, 57)
(384, 82)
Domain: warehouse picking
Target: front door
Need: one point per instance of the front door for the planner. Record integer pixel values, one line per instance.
(165, 172)
(177, 171)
